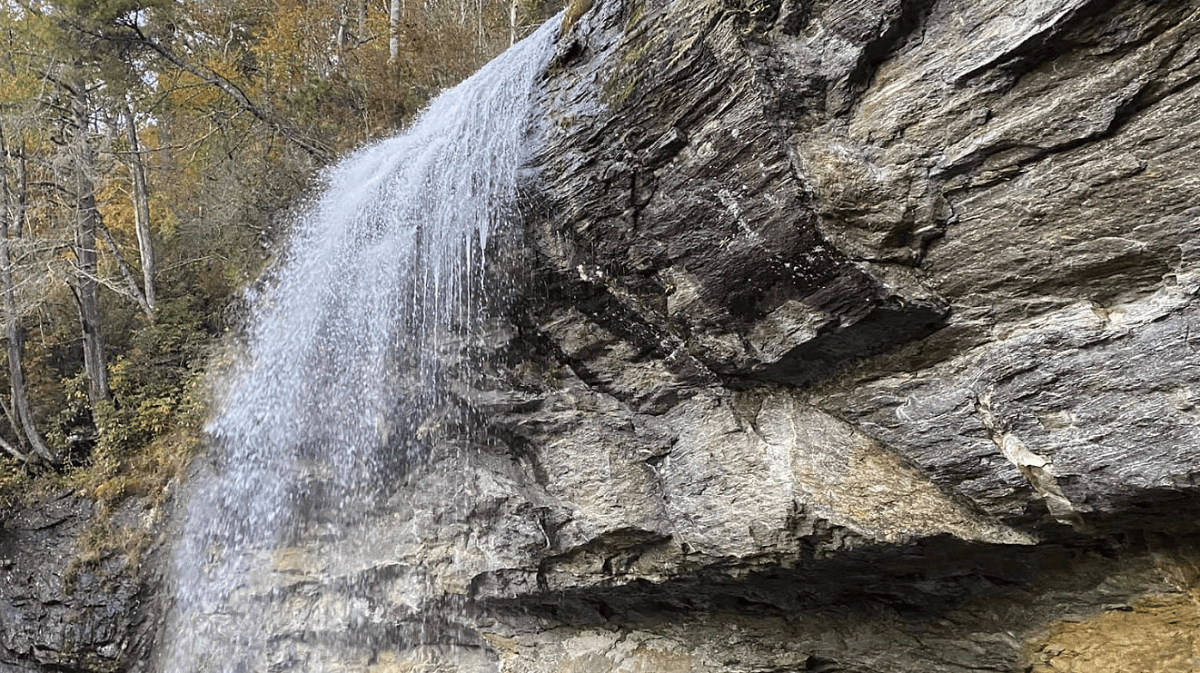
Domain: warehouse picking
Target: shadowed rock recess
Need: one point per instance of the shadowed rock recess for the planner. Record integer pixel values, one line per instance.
(850, 335)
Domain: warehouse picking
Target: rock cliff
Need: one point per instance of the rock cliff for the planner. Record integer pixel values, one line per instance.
(872, 319)
(845, 335)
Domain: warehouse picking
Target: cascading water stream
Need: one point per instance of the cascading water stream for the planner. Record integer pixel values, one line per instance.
(343, 378)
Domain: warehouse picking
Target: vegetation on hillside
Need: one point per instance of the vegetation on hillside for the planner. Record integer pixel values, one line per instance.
(149, 150)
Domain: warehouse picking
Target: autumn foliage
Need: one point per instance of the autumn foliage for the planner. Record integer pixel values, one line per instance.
(150, 151)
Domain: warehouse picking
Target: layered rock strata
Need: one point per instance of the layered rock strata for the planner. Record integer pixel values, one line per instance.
(848, 335)
(874, 329)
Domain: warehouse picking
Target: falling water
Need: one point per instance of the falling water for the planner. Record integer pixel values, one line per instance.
(343, 379)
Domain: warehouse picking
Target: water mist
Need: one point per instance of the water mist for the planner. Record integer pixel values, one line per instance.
(342, 385)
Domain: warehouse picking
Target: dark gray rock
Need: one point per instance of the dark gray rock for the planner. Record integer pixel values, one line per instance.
(66, 606)
(850, 335)
(908, 285)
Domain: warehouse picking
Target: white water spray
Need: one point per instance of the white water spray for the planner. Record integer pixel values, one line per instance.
(344, 375)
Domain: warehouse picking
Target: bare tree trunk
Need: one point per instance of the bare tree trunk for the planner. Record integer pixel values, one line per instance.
(16, 348)
(87, 296)
(16, 453)
(134, 291)
(13, 424)
(343, 22)
(141, 212)
(394, 32)
(12, 325)
(22, 200)
(512, 23)
(87, 288)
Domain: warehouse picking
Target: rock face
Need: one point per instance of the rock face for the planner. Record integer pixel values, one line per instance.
(850, 335)
(873, 323)
(67, 604)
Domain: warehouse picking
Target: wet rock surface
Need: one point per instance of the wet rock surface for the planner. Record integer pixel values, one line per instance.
(68, 600)
(885, 319)
(850, 336)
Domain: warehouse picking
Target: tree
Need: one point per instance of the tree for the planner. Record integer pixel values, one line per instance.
(12, 210)
(141, 200)
(394, 12)
(153, 149)
(87, 224)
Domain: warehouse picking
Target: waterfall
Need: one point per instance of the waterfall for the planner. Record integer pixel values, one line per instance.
(342, 383)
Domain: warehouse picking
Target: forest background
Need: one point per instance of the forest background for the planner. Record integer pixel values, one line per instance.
(151, 152)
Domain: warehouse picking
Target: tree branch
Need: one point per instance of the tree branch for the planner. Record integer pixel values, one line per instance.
(134, 291)
(319, 152)
(16, 453)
